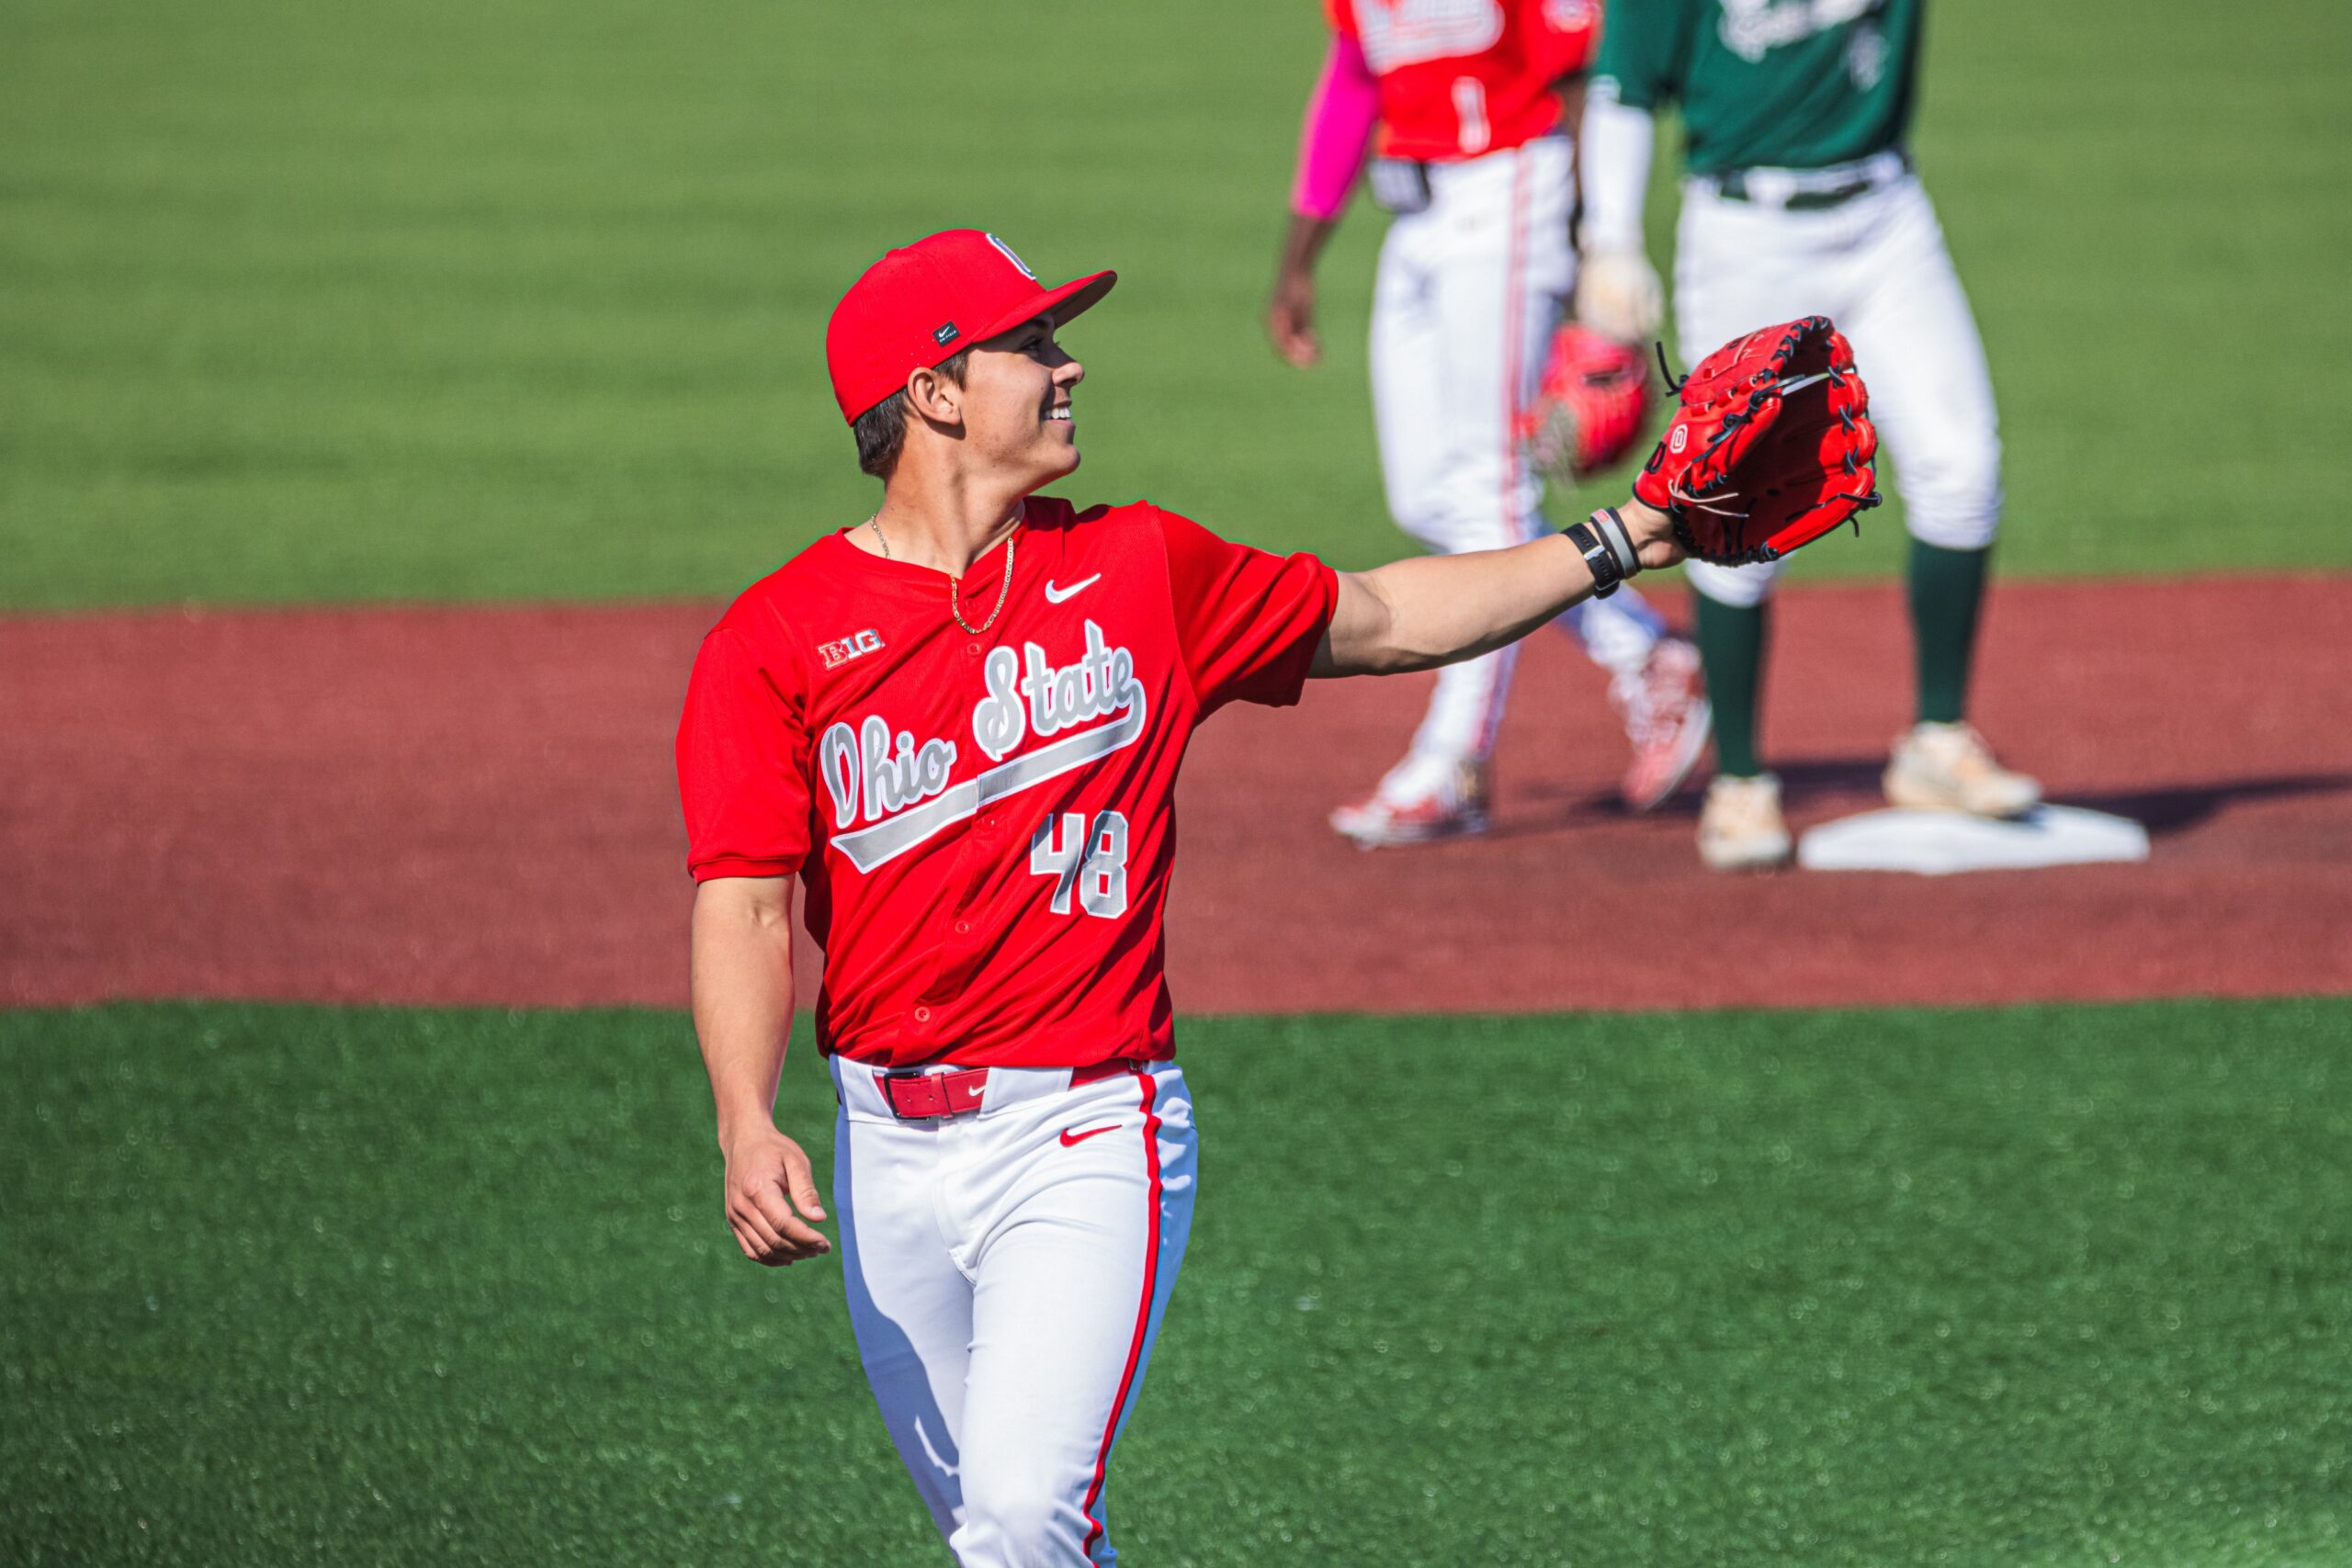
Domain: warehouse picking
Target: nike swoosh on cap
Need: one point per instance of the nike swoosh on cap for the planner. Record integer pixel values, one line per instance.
(1055, 595)
(1072, 1140)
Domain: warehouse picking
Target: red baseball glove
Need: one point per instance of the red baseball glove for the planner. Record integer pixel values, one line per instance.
(1772, 447)
(1591, 407)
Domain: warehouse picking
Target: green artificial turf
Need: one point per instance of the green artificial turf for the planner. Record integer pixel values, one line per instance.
(2013, 1287)
(447, 300)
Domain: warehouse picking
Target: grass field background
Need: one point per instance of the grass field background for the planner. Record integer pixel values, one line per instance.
(431, 299)
(2009, 1287)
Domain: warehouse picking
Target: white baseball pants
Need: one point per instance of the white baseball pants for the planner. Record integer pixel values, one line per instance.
(1875, 264)
(1007, 1270)
(1463, 305)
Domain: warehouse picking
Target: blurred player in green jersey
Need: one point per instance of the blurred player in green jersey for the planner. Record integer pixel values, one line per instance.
(1800, 198)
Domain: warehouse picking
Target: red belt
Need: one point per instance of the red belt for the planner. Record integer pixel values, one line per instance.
(918, 1095)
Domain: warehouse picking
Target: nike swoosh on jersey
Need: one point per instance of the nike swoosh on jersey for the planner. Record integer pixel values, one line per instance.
(1055, 595)
(1072, 1140)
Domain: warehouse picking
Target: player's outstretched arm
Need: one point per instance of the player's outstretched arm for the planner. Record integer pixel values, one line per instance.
(742, 1002)
(1426, 611)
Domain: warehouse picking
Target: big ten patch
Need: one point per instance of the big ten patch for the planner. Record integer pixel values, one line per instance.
(857, 645)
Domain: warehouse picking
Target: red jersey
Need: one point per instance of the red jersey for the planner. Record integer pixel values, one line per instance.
(1462, 77)
(985, 825)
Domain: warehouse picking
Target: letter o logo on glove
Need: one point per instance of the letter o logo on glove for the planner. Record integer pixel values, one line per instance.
(1679, 439)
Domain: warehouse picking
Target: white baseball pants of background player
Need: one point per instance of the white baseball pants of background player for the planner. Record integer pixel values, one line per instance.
(1007, 1270)
(1876, 265)
(1466, 296)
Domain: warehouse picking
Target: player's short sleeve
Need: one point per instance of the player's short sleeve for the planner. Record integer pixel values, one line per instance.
(1559, 35)
(743, 765)
(1248, 622)
(1640, 61)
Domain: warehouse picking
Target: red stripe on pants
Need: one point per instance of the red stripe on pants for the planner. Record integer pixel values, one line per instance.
(1490, 716)
(1142, 1316)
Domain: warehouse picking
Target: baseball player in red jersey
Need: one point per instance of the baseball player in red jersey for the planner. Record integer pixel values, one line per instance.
(1472, 101)
(958, 723)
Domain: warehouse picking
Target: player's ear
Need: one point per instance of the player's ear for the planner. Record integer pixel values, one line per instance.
(935, 397)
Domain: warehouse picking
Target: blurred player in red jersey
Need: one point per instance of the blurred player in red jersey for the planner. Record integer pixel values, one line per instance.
(1473, 100)
(958, 723)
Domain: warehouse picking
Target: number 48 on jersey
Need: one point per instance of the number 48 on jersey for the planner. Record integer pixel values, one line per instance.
(1090, 858)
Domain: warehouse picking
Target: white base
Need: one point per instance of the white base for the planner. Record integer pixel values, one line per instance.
(1937, 844)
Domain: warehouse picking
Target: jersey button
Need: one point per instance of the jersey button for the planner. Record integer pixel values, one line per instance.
(963, 928)
(973, 648)
(922, 1015)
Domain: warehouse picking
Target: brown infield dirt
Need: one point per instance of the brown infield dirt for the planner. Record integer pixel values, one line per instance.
(450, 805)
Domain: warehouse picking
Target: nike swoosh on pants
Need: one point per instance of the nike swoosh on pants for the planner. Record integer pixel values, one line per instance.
(1072, 1140)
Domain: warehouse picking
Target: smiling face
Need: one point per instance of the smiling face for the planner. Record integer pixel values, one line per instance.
(1016, 403)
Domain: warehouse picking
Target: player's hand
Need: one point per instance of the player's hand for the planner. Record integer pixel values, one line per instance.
(1619, 295)
(1652, 532)
(1290, 319)
(771, 1199)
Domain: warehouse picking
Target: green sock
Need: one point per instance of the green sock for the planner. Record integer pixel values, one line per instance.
(1731, 644)
(1947, 593)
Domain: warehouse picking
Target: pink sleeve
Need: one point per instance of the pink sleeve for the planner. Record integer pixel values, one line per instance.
(1340, 118)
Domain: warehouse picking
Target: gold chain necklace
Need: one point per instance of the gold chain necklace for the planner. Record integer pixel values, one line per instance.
(954, 608)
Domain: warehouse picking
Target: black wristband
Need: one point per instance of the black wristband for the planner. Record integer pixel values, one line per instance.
(1618, 539)
(1606, 573)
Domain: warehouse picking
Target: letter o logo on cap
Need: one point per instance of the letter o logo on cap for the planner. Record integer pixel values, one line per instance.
(1015, 260)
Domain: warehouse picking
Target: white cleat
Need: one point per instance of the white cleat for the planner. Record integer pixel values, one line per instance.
(1455, 807)
(1741, 827)
(1668, 719)
(1948, 767)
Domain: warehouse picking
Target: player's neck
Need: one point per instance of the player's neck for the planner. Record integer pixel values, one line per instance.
(943, 521)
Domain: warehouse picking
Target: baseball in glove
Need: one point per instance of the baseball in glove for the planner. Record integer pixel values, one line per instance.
(1591, 407)
(1770, 447)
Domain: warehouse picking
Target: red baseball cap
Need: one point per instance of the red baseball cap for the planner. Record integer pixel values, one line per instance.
(930, 302)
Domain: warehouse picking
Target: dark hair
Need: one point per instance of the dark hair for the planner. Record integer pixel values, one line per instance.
(881, 430)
